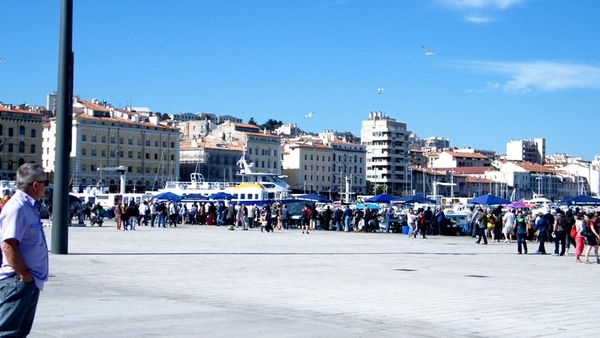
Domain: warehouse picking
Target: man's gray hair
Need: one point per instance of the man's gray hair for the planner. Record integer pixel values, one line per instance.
(27, 173)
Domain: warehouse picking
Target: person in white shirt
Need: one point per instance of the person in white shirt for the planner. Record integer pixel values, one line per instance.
(509, 225)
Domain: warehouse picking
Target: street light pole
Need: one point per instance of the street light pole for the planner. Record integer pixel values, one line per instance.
(64, 121)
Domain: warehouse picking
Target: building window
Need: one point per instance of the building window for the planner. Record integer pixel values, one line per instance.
(103, 153)
(164, 144)
(94, 138)
(130, 154)
(120, 140)
(112, 139)
(147, 156)
(156, 156)
(21, 147)
(84, 138)
(83, 152)
(1, 129)
(147, 143)
(83, 167)
(32, 149)
(92, 167)
(130, 141)
(103, 139)
(32, 133)
(21, 130)
(93, 152)
(156, 143)
(139, 154)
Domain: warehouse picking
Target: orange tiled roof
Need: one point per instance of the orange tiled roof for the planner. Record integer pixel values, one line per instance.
(245, 125)
(469, 155)
(16, 110)
(535, 167)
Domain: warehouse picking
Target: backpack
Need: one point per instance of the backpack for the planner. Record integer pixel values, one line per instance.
(562, 223)
(573, 233)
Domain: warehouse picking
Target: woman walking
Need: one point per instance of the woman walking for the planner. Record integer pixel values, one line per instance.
(521, 230)
(581, 226)
(498, 224)
(491, 226)
(593, 237)
(118, 215)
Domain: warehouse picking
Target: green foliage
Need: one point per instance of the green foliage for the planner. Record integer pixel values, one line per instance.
(271, 124)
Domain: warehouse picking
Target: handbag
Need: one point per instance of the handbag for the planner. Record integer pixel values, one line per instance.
(573, 232)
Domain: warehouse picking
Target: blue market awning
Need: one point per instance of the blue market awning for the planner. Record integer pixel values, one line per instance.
(414, 199)
(580, 200)
(381, 198)
(488, 199)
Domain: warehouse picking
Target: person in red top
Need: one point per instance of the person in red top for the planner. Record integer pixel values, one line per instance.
(306, 214)
(593, 237)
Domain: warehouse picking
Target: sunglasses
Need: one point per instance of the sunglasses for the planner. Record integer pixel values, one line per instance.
(46, 182)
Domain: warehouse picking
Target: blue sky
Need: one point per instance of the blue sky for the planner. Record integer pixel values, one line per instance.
(504, 69)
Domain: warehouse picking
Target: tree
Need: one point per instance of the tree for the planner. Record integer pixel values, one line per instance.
(251, 121)
(271, 124)
(164, 117)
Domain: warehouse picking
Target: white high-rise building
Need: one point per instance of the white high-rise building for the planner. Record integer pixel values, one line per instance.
(388, 164)
(527, 150)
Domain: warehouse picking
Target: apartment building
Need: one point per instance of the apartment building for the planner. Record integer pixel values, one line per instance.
(263, 149)
(323, 166)
(387, 159)
(104, 138)
(20, 140)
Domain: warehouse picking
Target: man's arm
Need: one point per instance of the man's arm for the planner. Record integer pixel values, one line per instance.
(9, 249)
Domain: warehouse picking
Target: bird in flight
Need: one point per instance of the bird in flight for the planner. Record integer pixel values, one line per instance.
(428, 52)
(309, 115)
(380, 90)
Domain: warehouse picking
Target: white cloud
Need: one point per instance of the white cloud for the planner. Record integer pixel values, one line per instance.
(488, 87)
(478, 18)
(478, 11)
(540, 76)
(481, 4)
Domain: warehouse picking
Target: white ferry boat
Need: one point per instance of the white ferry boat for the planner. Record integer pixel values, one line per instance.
(253, 186)
(540, 203)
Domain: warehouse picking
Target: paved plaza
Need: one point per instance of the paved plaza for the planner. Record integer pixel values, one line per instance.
(195, 281)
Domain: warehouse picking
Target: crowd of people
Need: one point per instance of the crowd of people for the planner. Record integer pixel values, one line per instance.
(162, 213)
(564, 229)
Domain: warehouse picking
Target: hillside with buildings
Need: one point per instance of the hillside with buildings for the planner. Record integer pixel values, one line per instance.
(385, 157)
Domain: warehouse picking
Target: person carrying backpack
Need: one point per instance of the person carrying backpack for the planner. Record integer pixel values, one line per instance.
(541, 225)
(560, 232)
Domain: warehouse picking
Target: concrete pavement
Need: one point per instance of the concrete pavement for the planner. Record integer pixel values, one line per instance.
(196, 281)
